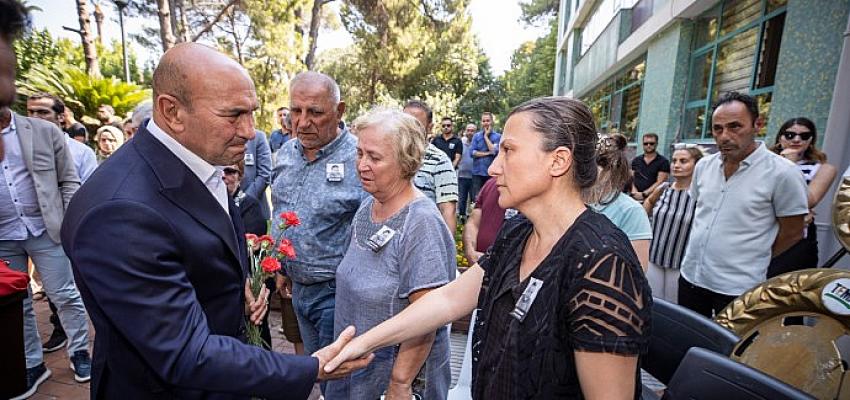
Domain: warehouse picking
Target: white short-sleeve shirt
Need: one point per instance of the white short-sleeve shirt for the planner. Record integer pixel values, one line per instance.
(735, 222)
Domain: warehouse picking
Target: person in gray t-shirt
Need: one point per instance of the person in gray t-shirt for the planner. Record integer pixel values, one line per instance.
(399, 250)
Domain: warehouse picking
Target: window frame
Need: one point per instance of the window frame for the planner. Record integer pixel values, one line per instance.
(712, 47)
(608, 97)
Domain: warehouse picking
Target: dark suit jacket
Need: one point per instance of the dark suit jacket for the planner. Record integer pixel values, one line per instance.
(258, 174)
(162, 274)
(249, 210)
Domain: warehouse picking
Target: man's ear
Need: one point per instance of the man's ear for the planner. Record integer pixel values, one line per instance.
(170, 111)
(759, 122)
(561, 161)
(340, 109)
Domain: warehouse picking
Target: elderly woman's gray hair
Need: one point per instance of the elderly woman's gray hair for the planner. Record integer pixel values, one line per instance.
(142, 112)
(406, 136)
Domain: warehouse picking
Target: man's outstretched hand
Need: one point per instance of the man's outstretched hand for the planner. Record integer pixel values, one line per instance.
(340, 368)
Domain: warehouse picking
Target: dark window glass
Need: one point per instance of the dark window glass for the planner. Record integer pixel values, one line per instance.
(700, 72)
(769, 54)
(694, 121)
(706, 30)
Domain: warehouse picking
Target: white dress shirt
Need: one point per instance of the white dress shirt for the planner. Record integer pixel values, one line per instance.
(210, 176)
(735, 221)
(18, 189)
(84, 158)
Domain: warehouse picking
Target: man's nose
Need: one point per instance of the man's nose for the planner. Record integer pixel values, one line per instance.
(246, 128)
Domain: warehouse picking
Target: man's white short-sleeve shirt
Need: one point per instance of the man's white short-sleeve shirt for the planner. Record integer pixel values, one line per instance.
(735, 222)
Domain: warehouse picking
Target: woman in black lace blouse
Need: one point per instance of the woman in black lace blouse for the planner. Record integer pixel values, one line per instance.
(564, 305)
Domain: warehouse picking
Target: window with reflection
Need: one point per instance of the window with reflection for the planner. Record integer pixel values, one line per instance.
(616, 102)
(736, 48)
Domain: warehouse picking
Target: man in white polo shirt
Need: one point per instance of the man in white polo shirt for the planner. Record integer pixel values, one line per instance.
(750, 208)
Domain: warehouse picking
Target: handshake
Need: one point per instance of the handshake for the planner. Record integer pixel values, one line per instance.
(342, 357)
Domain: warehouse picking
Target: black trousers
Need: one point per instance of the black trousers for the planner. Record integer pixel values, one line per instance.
(803, 254)
(477, 182)
(702, 300)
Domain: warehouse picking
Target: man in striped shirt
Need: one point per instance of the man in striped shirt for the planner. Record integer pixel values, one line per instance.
(436, 177)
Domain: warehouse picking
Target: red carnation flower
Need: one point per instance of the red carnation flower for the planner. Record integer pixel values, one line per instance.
(265, 241)
(290, 218)
(252, 240)
(286, 248)
(270, 265)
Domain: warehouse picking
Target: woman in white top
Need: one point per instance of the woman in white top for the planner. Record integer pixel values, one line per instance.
(796, 140)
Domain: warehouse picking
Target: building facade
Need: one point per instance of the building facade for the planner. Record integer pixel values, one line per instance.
(657, 65)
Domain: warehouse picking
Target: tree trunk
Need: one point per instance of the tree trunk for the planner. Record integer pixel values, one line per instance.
(315, 19)
(183, 25)
(89, 50)
(165, 32)
(299, 22)
(98, 20)
(175, 27)
(237, 43)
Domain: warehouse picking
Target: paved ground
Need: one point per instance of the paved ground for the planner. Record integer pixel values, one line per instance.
(61, 384)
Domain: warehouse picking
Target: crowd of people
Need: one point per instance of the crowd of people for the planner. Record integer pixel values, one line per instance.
(141, 229)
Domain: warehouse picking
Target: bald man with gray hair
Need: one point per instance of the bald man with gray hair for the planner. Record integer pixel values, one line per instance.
(159, 252)
(315, 176)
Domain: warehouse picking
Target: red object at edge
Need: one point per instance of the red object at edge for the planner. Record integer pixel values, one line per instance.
(11, 281)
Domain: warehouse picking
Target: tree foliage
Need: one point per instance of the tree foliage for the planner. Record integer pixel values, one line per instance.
(266, 36)
(80, 91)
(58, 67)
(36, 48)
(532, 72)
(404, 50)
(486, 95)
(538, 11)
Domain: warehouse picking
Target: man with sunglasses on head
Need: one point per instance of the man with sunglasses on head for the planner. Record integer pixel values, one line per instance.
(649, 169)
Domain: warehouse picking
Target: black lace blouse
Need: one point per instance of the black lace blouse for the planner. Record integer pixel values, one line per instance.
(594, 297)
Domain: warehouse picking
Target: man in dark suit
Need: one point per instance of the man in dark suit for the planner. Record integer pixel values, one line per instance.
(159, 253)
(258, 171)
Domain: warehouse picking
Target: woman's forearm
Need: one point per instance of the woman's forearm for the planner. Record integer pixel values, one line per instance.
(411, 356)
(425, 316)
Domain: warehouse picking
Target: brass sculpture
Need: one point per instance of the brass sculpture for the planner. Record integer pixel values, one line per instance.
(841, 212)
(787, 331)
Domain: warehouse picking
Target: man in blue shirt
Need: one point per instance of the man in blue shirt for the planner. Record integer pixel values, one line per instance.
(485, 146)
(282, 135)
(315, 176)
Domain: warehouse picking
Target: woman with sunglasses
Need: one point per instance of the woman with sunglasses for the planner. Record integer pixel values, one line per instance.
(672, 210)
(796, 141)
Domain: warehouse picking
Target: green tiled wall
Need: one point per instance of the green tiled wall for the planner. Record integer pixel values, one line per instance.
(664, 85)
(808, 62)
